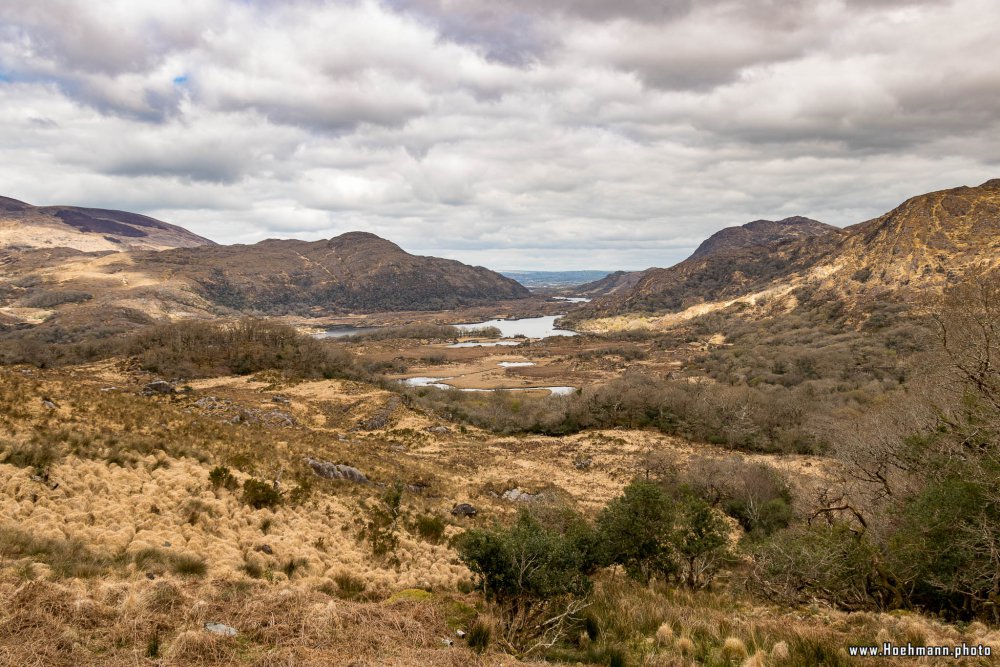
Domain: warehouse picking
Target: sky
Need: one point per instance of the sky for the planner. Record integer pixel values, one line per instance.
(514, 134)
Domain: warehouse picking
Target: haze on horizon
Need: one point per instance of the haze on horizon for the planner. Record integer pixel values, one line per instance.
(539, 135)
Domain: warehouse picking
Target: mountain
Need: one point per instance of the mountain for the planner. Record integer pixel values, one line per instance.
(610, 284)
(729, 263)
(761, 233)
(25, 226)
(925, 243)
(354, 272)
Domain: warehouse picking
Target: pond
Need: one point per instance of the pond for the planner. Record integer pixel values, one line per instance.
(529, 327)
(341, 330)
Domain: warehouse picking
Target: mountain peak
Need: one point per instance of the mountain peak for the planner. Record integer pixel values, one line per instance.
(759, 233)
(87, 229)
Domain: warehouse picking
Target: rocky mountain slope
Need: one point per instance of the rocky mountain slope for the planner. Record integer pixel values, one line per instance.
(352, 273)
(925, 243)
(610, 284)
(729, 263)
(355, 272)
(25, 226)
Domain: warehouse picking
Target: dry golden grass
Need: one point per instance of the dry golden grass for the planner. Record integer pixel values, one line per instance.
(133, 500)
(116, 623)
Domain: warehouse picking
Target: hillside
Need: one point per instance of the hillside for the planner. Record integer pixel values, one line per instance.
(731, 262)
(356, 272)
(761, 233)
(927, 242)
(610, 284)
(24, 226)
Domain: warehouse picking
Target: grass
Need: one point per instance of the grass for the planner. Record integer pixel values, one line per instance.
(68, 558)
(72, 558)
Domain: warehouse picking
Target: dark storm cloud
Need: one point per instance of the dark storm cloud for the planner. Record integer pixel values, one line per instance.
(507, 133)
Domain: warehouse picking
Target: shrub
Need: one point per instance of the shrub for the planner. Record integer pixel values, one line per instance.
(189, 565)
(527, 562)
(702, 541)
(380, 530)
(258, 494)
(478, 637)
(637, 530)
(534, 573)
(221, 476)
(430, 527)
(826, 562)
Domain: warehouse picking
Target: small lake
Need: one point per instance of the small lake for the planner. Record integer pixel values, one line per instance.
(341, 330)
(439, 383)
(572, 299)
(529, 327)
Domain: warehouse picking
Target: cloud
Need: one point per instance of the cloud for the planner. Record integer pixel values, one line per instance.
(516, 134)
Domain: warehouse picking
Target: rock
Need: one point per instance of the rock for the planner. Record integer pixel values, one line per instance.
(278, 398)
(159, 387)
(278, 418)
(264, 549)
(519, 496)
(583, 463)
(49, 403)
(150, 576)
(447, 642)
(460, 633)
(464, 509)
(438, 429)
(221, 629)
(328, 470)
(382, 417)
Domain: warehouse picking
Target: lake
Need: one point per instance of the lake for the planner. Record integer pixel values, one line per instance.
(341, 330)
(529, 327)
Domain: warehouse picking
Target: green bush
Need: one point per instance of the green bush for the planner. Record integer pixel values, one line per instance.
(221, 476)
(430, 527)
(637, 531)
(528, 562)
(259, 494)
(478, 637)
(381, 528)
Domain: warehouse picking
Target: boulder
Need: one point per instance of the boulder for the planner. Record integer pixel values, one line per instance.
(159, 387)
(464, 509)
(328, 470)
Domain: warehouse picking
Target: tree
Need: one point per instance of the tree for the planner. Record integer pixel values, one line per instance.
(536, 574)
(702, 541)
(637, 530)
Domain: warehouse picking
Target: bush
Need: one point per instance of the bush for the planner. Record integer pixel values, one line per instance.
(534, 573)
(194, 348)
(220, 476)
(478, 637)
(637, 531)
(380, 530)
(430, 527)
(825, 562)
(258, 494)
(527, 562)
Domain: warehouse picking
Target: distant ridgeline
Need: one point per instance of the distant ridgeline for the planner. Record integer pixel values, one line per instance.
(554, 278)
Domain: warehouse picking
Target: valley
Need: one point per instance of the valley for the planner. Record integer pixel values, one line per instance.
(293, 452)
